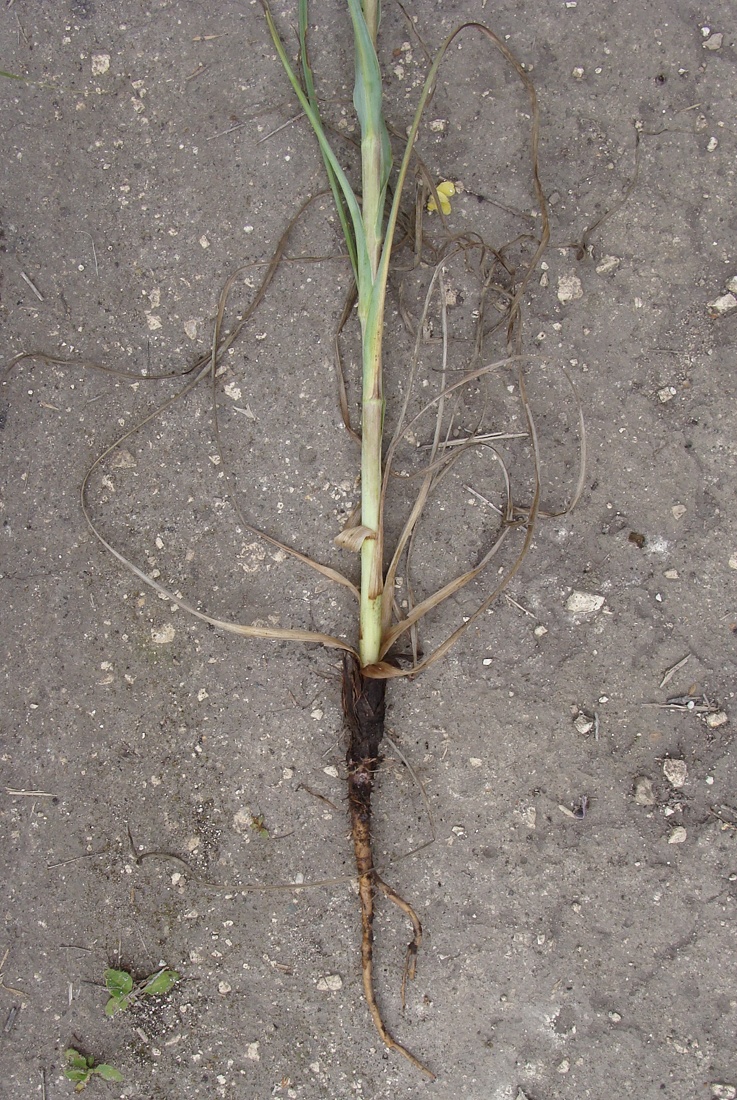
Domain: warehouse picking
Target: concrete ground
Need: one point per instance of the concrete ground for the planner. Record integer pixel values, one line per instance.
(576, 746)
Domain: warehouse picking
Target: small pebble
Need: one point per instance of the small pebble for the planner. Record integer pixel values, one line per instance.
(675, 771)
(331, 770)
(671, 574)
(717, 719)
(712, 144)
(725, 304)
(723, 1092)
(540, 631)
(677, 835)
(224, 988)
(643, 791)
(714, 41)
(666, 394)
(570, 288)
(679, 511)
(733, 562)
(607, 264)
(528, 814)
(330, 983)
(614, 1017)
(584, 603)
(582, 724)
(564, 1066)
(101, 63)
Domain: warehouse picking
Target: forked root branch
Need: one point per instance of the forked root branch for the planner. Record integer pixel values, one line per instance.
(363, 709)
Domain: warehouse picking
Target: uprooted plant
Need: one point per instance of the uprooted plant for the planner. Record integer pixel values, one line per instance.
(376, 225)
(370, 226)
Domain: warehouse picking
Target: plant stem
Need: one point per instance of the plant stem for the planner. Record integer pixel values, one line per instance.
(372, 580)
(375, 168)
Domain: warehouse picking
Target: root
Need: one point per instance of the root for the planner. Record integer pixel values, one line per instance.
(363, 708)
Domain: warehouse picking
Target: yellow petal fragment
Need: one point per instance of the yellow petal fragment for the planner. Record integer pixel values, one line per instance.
(445, 189)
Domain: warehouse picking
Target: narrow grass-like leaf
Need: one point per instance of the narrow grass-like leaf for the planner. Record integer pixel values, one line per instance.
(376, 153)
(362, 267)
(338, 197)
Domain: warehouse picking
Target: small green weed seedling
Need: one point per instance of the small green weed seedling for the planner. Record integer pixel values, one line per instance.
(258, 826)
(124, 992)
(80, 1068)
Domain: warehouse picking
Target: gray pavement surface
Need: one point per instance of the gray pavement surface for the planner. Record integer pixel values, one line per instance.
(579, 898)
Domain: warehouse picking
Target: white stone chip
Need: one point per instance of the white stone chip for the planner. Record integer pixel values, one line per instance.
(584, 603)
(101, 63)
(163, 635)
(569, 288)
(675, 771)
(607, 264)
(677, 835)
(725, 304)
(643, 791)
(330, 983)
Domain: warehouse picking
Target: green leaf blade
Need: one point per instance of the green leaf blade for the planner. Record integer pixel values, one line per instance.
(357, 244)
(75, 1059)
(118, 982)
(161, 983)
(117, 1004)
(108, 1073)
